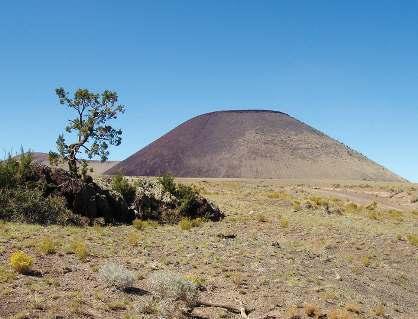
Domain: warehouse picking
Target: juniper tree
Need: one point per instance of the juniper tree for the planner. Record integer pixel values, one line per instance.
(90, 127)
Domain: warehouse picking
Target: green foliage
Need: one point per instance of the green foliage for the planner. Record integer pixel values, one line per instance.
(121, 185)
(80, 249)
(187, 195)
(94, 135)
(14, 169)
(30, 206)
(168, 183)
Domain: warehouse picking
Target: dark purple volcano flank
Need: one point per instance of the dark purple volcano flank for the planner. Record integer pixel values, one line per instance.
(250, 144)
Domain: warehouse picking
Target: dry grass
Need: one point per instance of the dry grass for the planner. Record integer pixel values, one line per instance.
(80, 249)
(47, 245)
(311, 310)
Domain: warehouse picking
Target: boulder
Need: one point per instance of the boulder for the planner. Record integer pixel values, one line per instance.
(83, 197)
(152, 202)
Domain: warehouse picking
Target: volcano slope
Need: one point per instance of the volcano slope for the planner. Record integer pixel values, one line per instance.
(250, 144)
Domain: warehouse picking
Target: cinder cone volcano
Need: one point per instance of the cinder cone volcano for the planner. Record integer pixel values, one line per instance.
(250, 144)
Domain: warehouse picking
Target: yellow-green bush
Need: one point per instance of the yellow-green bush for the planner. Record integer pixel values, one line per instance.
(21, 262)
(297, 206)
(142, 224)
(413, 239)
(80, 249)
(319, 201)
(284, 222)
(6, 275)
(187, 223)
(47, 245)
(133, 238)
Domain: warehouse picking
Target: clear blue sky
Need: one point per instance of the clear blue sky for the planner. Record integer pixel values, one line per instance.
(348, 68)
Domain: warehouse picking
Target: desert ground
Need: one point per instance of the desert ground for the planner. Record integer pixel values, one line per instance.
(286, 249)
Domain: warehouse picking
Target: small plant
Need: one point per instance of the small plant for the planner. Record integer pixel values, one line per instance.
(366, 261)
(133, 238)
(311, 310)
(372, 206)
(47, 246)
(117, 304)
(150, 307)
(319, 201)
(293, 313)
(21, 262)
(413, 240)
(354, 308)
(79, 248)
(379, 310)
(142, 224)
(280, 195)
(375, 215)
(352, 208)
(339, 314)
(395, 215)
(174, 287)
(187, 223)
(117, 276)
(283, 222)
(261, 218)
(6, 275)
(199, 282)
(297, 206)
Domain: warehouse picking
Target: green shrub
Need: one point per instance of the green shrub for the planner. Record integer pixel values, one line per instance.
(284, 222)
(168, 183)
(47, 245)
(413, 239)
(187, 197)
(80, 249)
(185, 194)
(30, 206)
(121, 185)
(14, 169)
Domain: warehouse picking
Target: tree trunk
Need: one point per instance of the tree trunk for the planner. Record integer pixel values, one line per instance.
(72, 163)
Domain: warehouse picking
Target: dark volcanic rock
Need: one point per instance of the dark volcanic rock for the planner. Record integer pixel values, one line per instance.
(83, 197)
(152, 202)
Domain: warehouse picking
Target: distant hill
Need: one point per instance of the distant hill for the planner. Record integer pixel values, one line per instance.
(250, 144)
(98, 167)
